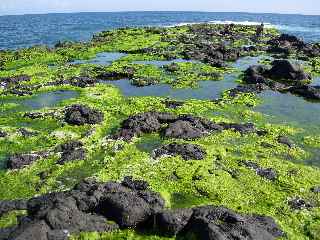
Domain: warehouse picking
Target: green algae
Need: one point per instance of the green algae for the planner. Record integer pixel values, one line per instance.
(220, 179)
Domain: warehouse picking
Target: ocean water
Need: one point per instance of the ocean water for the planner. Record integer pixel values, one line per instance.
(27, 30)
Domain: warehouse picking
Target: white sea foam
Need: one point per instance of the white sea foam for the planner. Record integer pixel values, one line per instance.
(247, 23)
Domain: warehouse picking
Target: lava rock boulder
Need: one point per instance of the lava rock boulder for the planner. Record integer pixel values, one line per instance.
(80, 115)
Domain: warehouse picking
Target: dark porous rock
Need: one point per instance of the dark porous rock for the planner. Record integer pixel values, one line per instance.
(11, 205)
(170, 126)
(238, 127)
(300, 204)
(127, 72)
(148, 122)
(211, 223)
(186, 151)
(283, 69)
(88, 207)
(18, 161)
(255, 74)
(248, 88)
(71, 151)
(286, 141)
(139, 185)
(308, 92)
(3, 134)
(81, 81)
(170, 223)
(144, 81)
(267, 173)
(7, 82)
(127, 207)
(80, 115)
(189, 127)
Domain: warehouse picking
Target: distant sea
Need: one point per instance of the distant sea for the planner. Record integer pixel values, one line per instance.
(26, 30)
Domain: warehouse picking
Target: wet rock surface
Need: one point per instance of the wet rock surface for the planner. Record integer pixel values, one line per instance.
(80, 115)
(308, 92)
(71, 151)
(186, 151)
(171, 126)
(90, 206)
(283, 69)
(293, 73)
(267, 173)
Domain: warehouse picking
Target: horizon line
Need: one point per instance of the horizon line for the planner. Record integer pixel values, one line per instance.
(148, 11)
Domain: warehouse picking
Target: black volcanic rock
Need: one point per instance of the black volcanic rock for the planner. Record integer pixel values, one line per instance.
(186, 151)
(80, 115)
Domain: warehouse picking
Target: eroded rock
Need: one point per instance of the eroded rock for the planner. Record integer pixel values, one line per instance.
(18, 161)
(80, 115)
(186, 151)
(71, 151)
(210, 222)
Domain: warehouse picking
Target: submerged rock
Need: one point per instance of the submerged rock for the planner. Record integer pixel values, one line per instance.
(80, 115)
(186, 151)
(308, 92)
(71, 151)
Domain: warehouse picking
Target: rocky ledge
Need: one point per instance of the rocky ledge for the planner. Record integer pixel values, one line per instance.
(101, 207)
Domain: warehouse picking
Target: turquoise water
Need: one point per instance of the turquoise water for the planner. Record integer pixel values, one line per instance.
(38, 101)
(104, 58)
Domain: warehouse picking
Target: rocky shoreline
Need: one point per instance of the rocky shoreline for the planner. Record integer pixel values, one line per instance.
(201, 169)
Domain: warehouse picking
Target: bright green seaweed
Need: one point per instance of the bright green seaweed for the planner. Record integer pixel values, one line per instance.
(220, 179)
